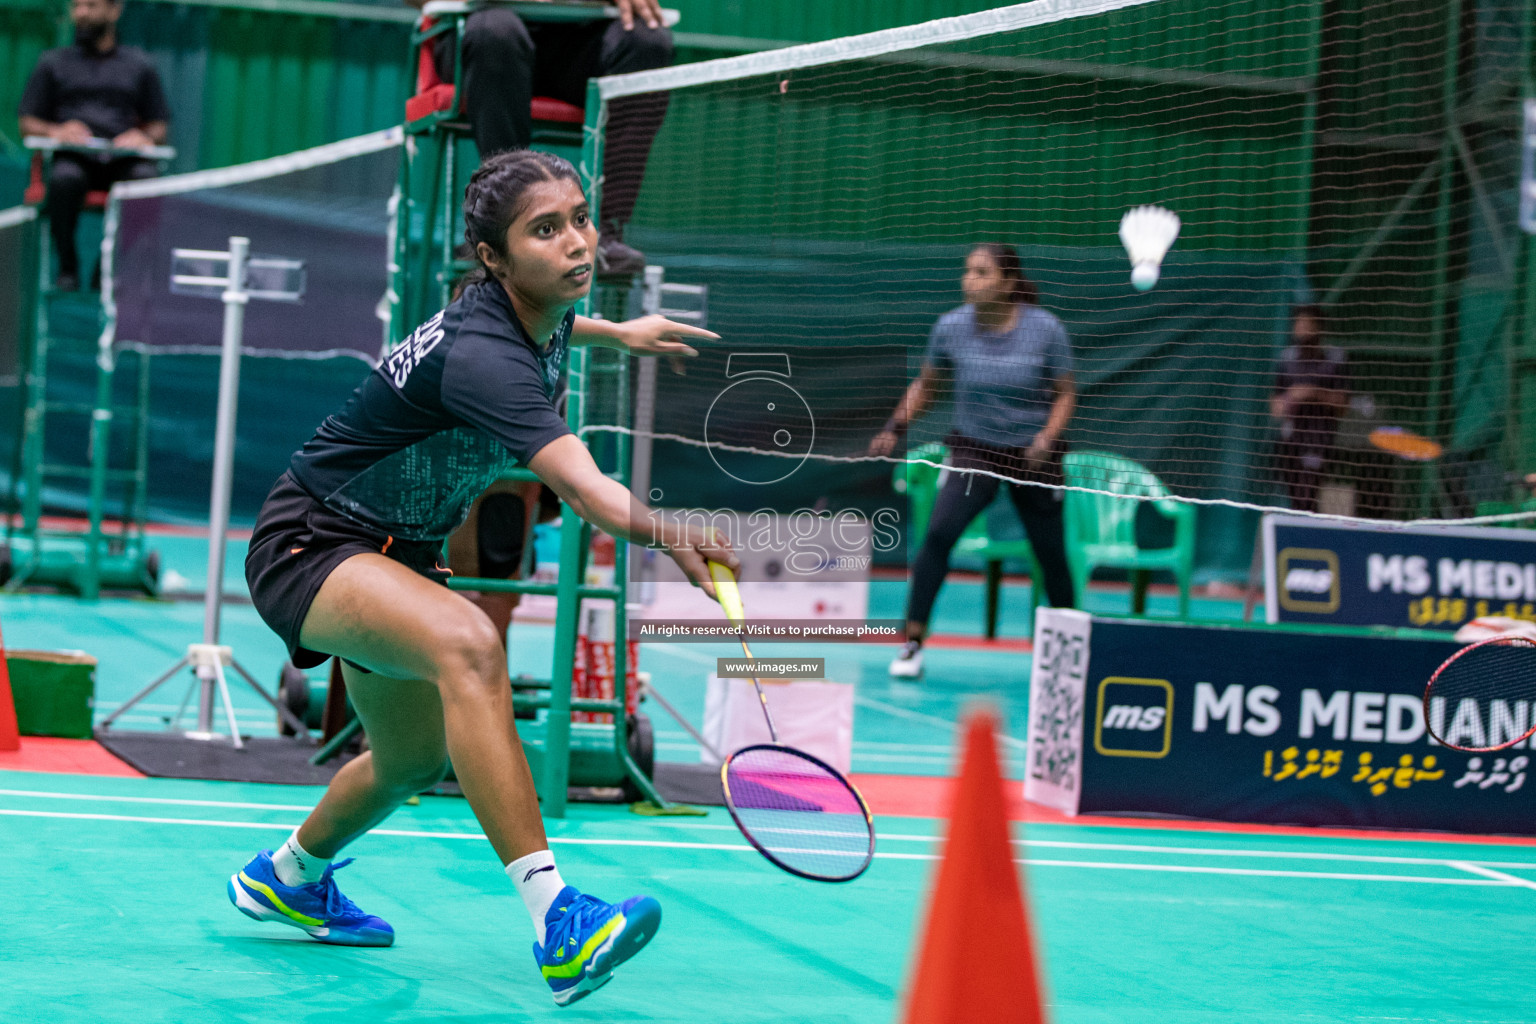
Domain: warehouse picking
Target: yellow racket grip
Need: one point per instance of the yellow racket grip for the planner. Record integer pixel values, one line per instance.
(727, 592)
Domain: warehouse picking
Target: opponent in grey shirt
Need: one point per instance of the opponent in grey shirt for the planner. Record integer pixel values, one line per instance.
(1008, 364)
(1003, 383)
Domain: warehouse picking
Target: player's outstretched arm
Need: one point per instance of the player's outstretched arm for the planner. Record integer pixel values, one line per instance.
(653, 335)
(918, 399)
(1062, 407)
(567, 467)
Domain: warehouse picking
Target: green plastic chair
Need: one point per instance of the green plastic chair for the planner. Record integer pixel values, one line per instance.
(920, 483)
(1101, 528)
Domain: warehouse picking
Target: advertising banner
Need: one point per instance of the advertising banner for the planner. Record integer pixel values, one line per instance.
(1278, 725)
(324, 213)
(1057, 681)
(1356, 574)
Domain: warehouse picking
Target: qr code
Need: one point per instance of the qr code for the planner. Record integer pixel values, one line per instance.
(1056, 694)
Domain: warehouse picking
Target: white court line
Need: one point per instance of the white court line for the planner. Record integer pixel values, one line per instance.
(1503, 881)
(1193, 851)
(1206, 851)
(81, 816)
(409, 833)
(919, 716)
(679, 651)
(1050, 844)
(933, 749)
(859, 756)
(1479, 869)
(868, 755)
(306, 808)
(1258, 872)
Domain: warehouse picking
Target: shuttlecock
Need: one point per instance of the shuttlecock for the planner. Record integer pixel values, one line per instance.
(1147, 232)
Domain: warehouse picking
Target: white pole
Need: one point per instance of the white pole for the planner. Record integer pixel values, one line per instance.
(645, 397)
(235, 298)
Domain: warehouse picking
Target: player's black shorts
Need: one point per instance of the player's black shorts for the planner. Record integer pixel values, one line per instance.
(296, 545)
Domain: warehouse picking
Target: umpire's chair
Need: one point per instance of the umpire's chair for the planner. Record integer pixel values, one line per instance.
(440, 156)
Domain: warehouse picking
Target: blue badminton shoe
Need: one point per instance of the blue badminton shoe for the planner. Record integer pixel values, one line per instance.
(318, 908)
(585, 939)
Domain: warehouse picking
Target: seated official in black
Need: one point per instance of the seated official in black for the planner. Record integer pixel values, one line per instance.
(94, 89)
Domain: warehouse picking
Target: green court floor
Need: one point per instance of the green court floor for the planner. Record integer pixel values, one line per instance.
(116, 911)
(115, 907)
(900, 727)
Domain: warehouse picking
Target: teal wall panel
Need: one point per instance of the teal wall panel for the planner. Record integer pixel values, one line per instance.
(1204, 106)
(243, 84)
(26, 30)
(1385, 65)
(1030, 134)
(251, 83)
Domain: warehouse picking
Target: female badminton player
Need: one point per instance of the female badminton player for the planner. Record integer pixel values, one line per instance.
(344, 562)
(1010, 363)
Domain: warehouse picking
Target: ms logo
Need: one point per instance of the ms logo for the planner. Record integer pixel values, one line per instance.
(1309, 580)
(1134, 717)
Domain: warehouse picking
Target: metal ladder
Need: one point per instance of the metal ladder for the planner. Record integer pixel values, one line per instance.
(111, 551)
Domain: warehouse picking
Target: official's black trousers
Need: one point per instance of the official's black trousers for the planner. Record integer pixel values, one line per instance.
(508, 61)
(71, 178)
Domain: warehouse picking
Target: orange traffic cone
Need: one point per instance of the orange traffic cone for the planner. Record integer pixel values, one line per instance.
(10, 736)
(977, 962)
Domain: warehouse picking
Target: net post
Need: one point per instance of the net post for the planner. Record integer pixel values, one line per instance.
(235, 299)
(574, 533)
(591, 167)
(1303, 232)
(557, 724)
(447, 201)
(1443, 366)
(19, 501)
(1520, 430)
(100, 455)
(36, 389)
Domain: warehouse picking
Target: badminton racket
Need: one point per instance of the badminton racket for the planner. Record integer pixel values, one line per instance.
(795, 809)
(1501, 668)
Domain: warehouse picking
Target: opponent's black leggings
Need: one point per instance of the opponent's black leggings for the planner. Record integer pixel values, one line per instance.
(962, 498)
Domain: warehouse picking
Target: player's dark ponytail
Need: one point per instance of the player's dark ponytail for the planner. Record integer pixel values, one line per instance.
(497, 195)
(1006, 257)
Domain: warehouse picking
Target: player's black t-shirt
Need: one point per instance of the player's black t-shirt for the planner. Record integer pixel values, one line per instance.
(110, 92)
(465, 397)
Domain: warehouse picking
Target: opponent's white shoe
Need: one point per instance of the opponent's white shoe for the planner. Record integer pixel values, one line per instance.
(909, 663)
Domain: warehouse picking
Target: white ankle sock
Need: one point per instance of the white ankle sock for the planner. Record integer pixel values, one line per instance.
(294, 865)
(538, 882)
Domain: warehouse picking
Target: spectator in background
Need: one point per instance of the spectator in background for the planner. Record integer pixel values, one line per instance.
(508, 61)
(92, 90)
(1311, 392)
(1009, 364)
